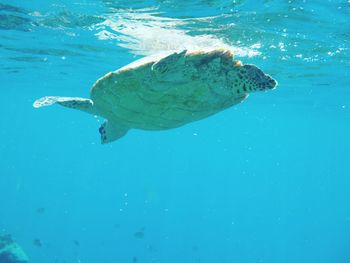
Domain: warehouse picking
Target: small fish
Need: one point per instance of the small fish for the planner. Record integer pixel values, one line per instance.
(140, 234)
(41, 210)
(76, 242)
(37, 242)
(134, 260)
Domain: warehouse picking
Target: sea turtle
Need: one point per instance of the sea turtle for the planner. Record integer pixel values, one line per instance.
(167, 91)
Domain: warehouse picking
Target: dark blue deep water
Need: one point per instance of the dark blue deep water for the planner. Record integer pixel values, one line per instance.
(267, 181)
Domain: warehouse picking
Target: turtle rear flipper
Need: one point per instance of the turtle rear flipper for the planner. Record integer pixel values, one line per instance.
(69, 102)
(111, 131)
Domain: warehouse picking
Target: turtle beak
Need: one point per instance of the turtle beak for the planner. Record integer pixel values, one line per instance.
(266, 82)
(270, 83)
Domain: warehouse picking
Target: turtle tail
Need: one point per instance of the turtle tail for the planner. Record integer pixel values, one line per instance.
(82, 104)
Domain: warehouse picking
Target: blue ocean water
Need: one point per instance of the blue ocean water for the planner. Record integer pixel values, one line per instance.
(265, 181)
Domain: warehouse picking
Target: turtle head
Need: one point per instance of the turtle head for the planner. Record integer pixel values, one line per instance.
(254, 79)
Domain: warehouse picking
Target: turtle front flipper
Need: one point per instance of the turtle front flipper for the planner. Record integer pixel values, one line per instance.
(111, 131)
(70, 102)
(168, 70)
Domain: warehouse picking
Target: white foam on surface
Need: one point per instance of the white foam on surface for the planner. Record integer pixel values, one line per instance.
(147, 33)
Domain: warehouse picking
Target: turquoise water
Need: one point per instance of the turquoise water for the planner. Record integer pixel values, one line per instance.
(265, 181)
